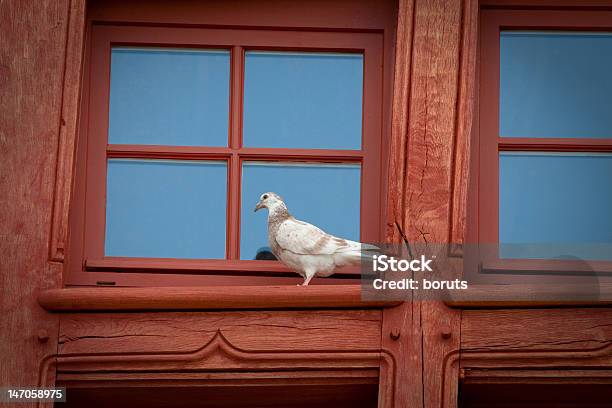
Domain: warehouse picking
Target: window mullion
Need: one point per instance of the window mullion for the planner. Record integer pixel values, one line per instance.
(235, 143)
(237, 83)
(233, 224)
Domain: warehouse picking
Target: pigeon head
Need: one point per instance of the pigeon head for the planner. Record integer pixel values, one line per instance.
(269, 200)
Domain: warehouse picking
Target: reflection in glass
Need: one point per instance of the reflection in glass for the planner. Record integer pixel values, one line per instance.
(555, 84)
(165, 209)
(303, 100)
(169, 97)
(326, 195)
(555, 199)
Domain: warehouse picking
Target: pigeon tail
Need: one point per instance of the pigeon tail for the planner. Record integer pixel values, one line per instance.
(356, 253)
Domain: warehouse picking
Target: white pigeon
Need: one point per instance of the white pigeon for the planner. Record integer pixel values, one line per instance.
(305, 248)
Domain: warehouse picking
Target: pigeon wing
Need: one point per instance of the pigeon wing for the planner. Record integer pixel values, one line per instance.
(302, 238)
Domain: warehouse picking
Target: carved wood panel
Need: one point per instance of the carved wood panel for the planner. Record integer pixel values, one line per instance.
(255, 330)
(249, 347)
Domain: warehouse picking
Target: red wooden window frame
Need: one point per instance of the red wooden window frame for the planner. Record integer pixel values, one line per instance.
(490, 144)
(94, 268)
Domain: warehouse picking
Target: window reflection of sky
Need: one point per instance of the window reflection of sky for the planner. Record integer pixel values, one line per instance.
(303, 100)
(555, 198)
(166, 209)
(555, 84)
(169, 97)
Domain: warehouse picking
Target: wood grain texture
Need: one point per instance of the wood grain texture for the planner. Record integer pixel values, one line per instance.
(210, 298)
(535, 376)
(550, 329)
(400, 333)
(250, 330)
(284, 348)
(315, 14)
(437, 114)
(31, 68)
(466, 94)
(537, 348)
(68, 125)
(399, 121)
(284, 378)
(436, 65)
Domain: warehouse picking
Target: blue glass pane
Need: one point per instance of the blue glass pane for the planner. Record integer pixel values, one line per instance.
(561, 201)
(165, 209)
(555, 84)
(169, 97)
(325, 195)
(303, 100)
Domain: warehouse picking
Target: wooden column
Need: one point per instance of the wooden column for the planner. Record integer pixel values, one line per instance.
(432, 113)
(35, 64)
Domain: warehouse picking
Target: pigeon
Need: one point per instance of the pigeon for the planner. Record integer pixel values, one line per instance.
(305, 248)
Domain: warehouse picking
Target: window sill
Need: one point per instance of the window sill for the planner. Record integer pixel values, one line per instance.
(206, 298)
(547, 267)
(527, 296)
(210, 266)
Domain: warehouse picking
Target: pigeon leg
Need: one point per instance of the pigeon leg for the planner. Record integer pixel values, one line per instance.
(307, 279)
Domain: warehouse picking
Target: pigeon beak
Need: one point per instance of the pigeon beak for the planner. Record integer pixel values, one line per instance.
(259, 206)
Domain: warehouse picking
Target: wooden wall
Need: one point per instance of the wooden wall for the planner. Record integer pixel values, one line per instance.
(33, 46)
(427, 345)
(431, 113)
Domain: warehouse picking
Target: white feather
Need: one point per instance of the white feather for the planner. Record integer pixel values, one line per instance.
(305, 248)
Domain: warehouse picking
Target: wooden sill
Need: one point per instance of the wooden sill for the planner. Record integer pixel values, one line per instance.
(206, 298)
(203, 267)
(546, 267)
(525, 296)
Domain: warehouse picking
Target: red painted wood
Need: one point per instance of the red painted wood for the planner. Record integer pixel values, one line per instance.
(488, 164)
(68, 128)
(34, 65)
(311, 330)
(353, 15)
(466, 123)
(224, 348)
(399, 332)
(539, 265)
(437, 114)
(547, 4)
(235, 142)
(554, 144)
(527, 293)
(254, 153)
(163, 278)
(210, 266)
(210, 297)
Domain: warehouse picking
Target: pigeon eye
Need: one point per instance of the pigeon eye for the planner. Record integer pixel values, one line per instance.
(265, 197)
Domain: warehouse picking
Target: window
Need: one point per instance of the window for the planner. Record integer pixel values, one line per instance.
(186, 127)
(545, 135)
